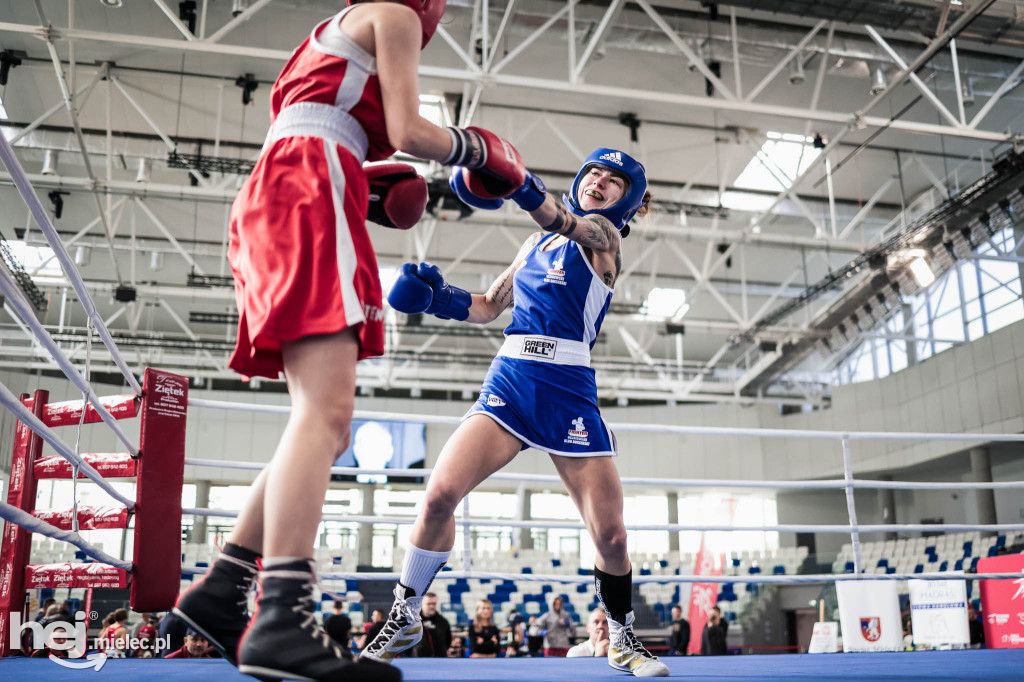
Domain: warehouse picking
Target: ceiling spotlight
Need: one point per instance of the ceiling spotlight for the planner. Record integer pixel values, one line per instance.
(145, 170)
(919, 268)
(796, 71)
(156, 261)
(239, 6)
(83, 254)
(878, 81)
(111, 3)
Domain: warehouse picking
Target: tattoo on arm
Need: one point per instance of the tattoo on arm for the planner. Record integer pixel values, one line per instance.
(501, 291)
(609, 278)
(564, 223)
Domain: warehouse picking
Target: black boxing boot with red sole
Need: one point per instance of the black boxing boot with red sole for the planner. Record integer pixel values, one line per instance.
(284, 641)
(217, 606)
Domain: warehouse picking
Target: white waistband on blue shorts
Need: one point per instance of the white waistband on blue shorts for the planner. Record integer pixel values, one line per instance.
(546, 349)
(320, 120)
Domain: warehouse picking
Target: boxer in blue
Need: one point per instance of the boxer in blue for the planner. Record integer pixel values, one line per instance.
(540, 390)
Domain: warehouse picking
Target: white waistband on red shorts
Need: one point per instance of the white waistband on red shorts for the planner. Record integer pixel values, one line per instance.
(320, 120)
(546, 349)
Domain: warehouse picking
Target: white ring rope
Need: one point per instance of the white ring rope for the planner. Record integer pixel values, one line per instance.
(649, 428)
(752, 579)
(11, 402)
(837, 484)
(18, 302)
(34, 525)
(671, 528)
(60, 251)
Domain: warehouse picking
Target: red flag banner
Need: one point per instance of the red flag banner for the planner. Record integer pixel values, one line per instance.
(74, 575)
(109, 464)
(703, 597)
(89, 518)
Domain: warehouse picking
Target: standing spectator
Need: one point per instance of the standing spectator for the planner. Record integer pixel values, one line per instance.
(172, 631)
(597, 643)
(373, 628)
(437, 632)
(337, 625)
(679, 634)
(712, 639)
(976, 628)
(133, 631)
(516, 644)
(484, 638)
(195, 646)
(556, 625)
(722, 622)
(534, 638)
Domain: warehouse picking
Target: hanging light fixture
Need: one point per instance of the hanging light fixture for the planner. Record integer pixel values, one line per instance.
(50, 162)
(796, 70)
(967, 93)
(156, 261)
(83, 254)
(239, 6)
(145, 170)
(878, 81)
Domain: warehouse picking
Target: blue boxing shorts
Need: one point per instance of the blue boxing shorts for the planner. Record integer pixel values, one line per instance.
(550, 407)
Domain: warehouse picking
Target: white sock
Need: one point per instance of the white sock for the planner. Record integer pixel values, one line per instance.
(420, 567)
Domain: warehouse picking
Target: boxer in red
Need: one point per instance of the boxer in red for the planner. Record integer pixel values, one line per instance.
(310, 306)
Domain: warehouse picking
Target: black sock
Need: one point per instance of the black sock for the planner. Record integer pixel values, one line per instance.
(615, 593)
(241, 553)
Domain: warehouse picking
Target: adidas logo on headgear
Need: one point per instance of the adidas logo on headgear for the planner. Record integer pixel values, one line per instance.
(614, 157)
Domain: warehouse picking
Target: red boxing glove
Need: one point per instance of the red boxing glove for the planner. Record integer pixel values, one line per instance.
(398, 195)
(493, 167)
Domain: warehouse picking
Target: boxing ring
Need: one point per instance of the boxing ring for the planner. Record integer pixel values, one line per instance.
(157, 465)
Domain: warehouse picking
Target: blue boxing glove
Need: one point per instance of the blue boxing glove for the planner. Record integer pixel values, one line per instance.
(457, 181)
(422, 289)
(449, 303)
(531, 194)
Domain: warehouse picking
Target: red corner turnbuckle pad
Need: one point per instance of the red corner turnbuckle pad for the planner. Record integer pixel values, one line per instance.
(157, 555)
(108, 464)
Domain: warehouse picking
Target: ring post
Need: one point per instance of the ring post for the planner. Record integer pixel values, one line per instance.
(16, 543)
(850, 507)
(156, 576)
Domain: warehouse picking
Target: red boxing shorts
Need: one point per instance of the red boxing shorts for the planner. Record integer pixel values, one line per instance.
(301, 256)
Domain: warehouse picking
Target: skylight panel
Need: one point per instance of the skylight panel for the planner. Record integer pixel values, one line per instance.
(781, 158)
(669, 304)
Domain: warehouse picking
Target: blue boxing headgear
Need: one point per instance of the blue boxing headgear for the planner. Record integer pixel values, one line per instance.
(636, 187)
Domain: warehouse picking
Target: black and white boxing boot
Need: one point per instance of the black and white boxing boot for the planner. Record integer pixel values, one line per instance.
(217, 606)
(284, 641)
(402, 631)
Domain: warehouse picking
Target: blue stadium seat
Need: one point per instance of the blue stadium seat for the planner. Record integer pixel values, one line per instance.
(527, 569)
(882, 563)
(968, 548)
(645, 571)
(779, 570)
(919, 568)
(943, 566)
(556, 562)
(849, 567)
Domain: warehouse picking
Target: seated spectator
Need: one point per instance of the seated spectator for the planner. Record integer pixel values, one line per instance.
(113, 638)
(437, 632)
(976, 628)
(484, 638)
(195, 646)
(597, 644)
(44, 609)
(337, 625)
(146, 637)
(555, 625)
(172, 632)
(679, 634)
(712, 640)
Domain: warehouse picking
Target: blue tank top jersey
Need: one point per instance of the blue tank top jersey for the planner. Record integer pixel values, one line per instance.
(557, 293)
(552, 407)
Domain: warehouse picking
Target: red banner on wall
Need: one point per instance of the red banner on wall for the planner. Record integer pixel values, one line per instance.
(703, 597)
(1002, 602)
(74, 575)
